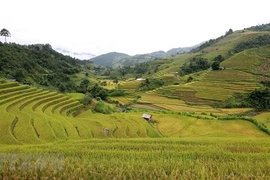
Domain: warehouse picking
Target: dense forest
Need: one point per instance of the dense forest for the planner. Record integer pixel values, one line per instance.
(37, 65)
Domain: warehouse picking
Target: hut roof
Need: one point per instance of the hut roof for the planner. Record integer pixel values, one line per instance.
(148, 116)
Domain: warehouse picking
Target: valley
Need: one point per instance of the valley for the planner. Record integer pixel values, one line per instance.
(62, 117)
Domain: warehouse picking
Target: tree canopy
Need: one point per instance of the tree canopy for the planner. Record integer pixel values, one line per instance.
(260, 98)
(196, 64)
(6, 33)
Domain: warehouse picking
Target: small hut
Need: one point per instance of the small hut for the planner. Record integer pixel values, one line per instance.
(147, 117)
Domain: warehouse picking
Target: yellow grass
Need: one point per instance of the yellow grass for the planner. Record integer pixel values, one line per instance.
(264, 118)
(76, 96)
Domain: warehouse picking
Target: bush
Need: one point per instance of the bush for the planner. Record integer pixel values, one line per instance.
(203, 113)
(189, 79)
(266, 83)
(215, 65)
(98, 91)
(196, 64)
(150, 84)
(260, 98)
(62, 88)
(237, 101)
(101, 107)
(86, 100)
(117, 92)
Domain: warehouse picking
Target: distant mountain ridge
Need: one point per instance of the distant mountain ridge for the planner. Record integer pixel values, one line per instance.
(110, 59)
(116, 59)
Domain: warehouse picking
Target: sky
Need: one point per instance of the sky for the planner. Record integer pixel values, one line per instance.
(127, 26)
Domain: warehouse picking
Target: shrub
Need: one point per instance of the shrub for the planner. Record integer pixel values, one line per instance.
(260, 98)
(196, 64)
(86, 100)
(237, 100)
(101, 107)
(150, 84)
(203, 113)
(189, 79)
(215, 65)
(117, 92)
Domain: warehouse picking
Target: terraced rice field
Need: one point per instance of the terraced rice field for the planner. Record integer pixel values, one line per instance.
(129, 86)
(264, 118)
(242, 61)
(30, 115)
(224, 45)
(158, 74)
(123, 99)
(213, 86)
(178, 105)
(255, 60)
(147, 158)
(23, 116)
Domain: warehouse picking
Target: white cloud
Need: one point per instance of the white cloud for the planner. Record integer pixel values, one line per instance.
(129, 26)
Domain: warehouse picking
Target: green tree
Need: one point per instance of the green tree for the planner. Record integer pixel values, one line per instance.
(260, 98)
(103, 94)
(84, 86)
(215, 65)
(219, 58)
(229, 32)
(62, 88)
(19, 75)
(98, 91)
(6, 33)
(86, 100)
(189, 79)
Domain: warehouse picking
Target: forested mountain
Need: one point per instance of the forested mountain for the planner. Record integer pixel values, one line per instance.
(109, 59)
(37, 65)
(115, 60)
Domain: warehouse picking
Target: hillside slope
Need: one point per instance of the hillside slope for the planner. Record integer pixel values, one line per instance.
(115, 60)
(31, 115)
(37, 65)
(183, 105)
(244, 70)
(109, 59)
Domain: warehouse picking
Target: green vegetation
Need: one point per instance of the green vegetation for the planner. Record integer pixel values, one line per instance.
(262, 27)
(150, 84)
(211, 42)
(237, 100)
(207, 123)
(6, 33)
(260, 98)
(38, 65)
(216, 62)
(256, 42)
(195, 65)
(101, 107)
(76, 96)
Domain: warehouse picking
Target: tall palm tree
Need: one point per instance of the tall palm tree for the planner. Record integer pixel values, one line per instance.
(6, 33)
